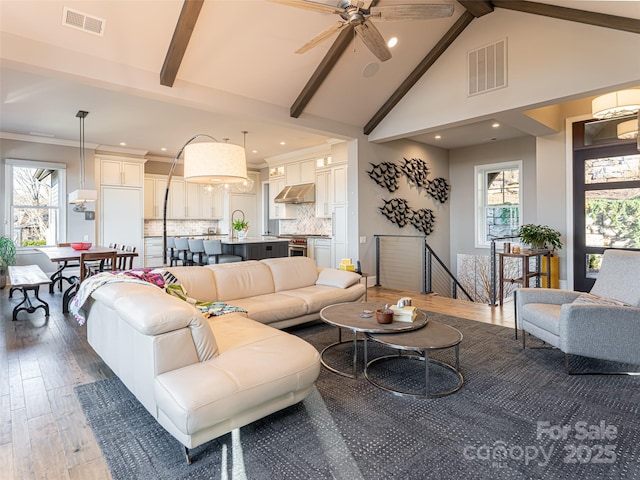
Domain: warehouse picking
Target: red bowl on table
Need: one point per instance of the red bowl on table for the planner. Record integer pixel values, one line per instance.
(81, 245)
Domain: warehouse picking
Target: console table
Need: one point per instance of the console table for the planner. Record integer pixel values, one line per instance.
(524, 257)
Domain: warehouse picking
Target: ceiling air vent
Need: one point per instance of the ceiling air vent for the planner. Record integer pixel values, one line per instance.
(82, 21)
(488, 68)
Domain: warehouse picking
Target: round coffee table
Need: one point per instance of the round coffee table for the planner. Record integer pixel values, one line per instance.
(347, 315)
(435, 336)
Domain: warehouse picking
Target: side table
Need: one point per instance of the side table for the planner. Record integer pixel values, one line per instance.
(524, 256)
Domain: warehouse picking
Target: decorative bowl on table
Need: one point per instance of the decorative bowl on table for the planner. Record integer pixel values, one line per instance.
(384, 315)
(81, 245)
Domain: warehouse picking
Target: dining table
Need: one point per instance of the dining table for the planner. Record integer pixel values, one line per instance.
(68, 257)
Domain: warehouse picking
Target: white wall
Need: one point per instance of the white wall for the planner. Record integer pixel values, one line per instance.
(461, 172)
(370, 196)
(548, 60)
(77, 227)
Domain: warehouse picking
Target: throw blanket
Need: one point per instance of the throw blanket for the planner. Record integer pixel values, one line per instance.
(145, 276)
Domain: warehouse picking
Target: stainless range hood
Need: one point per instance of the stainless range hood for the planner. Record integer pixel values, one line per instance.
(303, 193)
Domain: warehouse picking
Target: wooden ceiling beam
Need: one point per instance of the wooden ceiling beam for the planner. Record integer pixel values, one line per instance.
(426, 63)
(328, 62)
(180, 40)
(563, 13)
(477, 8)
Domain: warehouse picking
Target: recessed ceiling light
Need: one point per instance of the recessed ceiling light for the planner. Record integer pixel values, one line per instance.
(438, 137)
(495, 125)
(282, 143)
(254, 151)
(393, 41)
(163, 149)
(123, 144)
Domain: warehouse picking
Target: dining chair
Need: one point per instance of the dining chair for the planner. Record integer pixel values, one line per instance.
(123, 260)
(213, 249)
(198, 256)
(182, 246)
(89, 260)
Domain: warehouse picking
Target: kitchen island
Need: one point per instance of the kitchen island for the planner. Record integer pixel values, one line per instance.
(256, 248)
(250, 248)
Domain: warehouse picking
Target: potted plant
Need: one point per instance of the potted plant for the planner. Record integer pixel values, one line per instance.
(241, 226)
(544, 237)
(7, 257)
(540, 236)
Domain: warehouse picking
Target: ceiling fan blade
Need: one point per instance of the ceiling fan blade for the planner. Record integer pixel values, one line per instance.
(411, 12)
(372, 38)
(321, 37)
(313, 6)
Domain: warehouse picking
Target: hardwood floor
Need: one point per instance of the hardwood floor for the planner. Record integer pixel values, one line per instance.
(43, 431)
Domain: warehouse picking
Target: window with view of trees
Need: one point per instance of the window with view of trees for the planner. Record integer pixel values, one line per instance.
(497, 201)
(37, 194)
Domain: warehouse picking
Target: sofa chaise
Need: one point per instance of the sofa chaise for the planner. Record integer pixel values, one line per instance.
(201, 378)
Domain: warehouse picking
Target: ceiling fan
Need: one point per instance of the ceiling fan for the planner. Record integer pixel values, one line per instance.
(358, 14)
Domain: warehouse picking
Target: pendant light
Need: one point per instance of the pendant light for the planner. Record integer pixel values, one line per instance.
(81, 196)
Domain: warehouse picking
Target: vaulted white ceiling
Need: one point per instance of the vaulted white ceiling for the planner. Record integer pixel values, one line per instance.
(239, 72)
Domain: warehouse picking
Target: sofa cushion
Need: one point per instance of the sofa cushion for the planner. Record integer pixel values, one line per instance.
(292, 272)
(272, 307)
(332, 277)
(319, 296)
(544, 315)
(199, 282)
(138, 307)
(258, 364)
(241, 280)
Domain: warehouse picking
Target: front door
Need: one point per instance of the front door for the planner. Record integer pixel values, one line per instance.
(606, 187)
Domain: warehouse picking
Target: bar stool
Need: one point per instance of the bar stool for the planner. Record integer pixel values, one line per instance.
(184, 255)
(172, 255)
(197, 249)
(213, 248)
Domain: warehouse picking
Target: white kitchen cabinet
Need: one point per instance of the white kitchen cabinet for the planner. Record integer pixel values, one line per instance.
(321, 251)
(339, 186)
(300, 172)
(177, 199)
(154, 190)
(279, 211)
(276, 171)
(324, 193)
(193, 204)
(339, 230)
(211, 203)
(153, 252)
(121, 210)
(121, 173)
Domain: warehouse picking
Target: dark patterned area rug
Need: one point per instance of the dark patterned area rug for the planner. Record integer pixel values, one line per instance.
(518, 415)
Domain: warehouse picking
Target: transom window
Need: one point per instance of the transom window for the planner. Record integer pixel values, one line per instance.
(498, 201)
(36, 193)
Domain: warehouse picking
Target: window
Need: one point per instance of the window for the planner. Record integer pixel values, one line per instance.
(498, 201)
(36, 193)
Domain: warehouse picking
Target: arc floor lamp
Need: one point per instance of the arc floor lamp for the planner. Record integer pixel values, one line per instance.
(208, 162)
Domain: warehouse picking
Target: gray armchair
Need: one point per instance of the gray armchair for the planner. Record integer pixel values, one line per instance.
(604, 324)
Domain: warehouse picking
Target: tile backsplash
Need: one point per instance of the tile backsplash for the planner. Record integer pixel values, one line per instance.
(306, 223)
(153, 228)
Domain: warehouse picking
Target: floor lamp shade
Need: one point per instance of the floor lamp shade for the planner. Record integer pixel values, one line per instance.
(214, 162)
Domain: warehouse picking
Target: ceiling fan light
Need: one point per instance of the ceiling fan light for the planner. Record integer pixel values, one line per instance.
(616, 104)
(628, 130)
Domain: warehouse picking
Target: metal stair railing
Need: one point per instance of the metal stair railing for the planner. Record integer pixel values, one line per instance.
(433, 268)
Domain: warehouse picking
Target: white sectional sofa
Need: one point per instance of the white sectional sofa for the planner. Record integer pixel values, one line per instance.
(202, 378)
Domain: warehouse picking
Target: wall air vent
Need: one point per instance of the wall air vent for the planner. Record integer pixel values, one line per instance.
(82, 21)
(488, 68)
